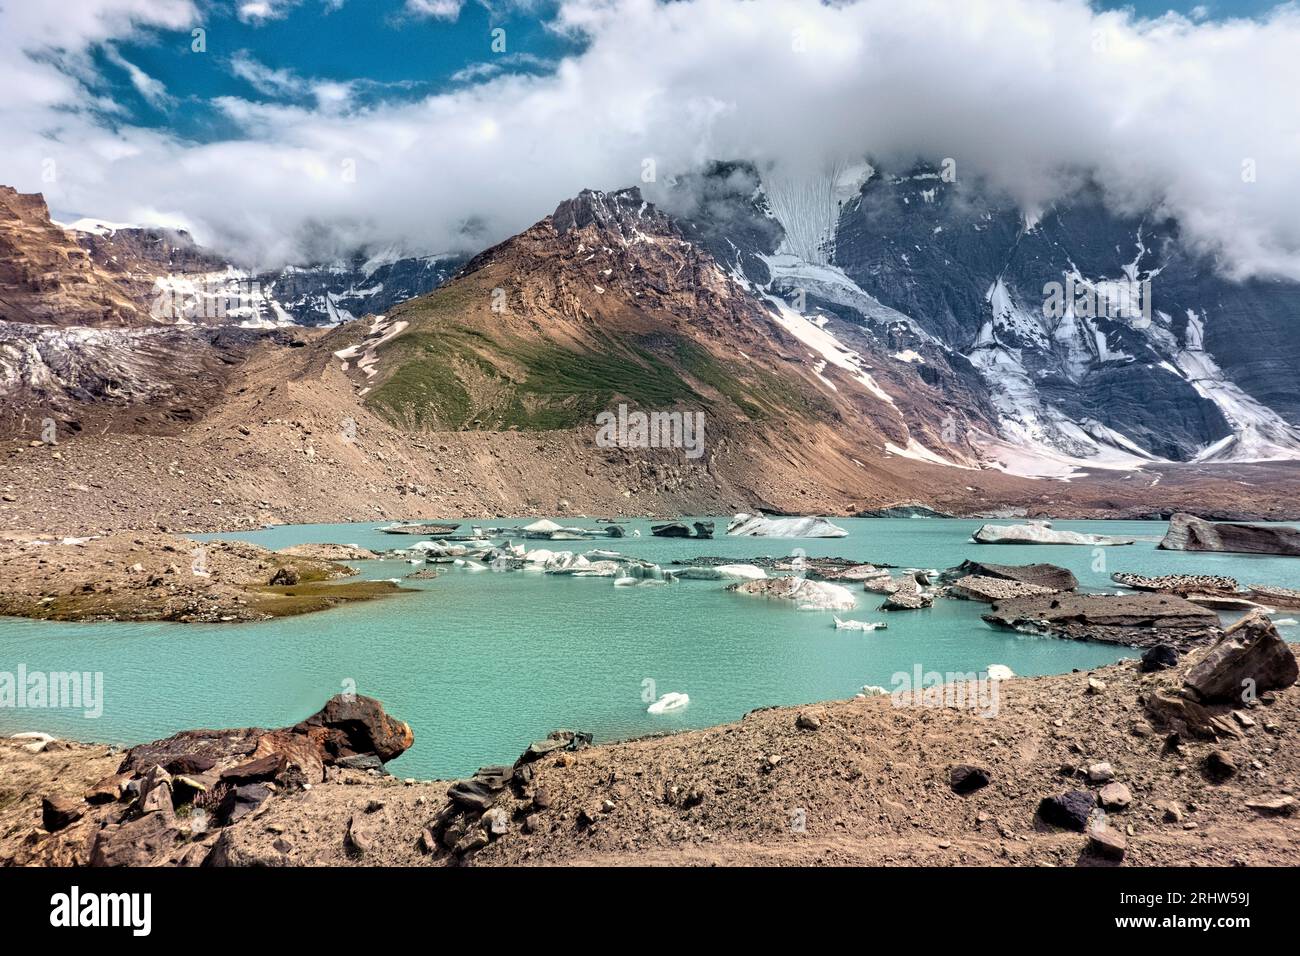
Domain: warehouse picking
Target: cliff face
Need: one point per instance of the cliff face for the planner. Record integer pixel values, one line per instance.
(48, 278)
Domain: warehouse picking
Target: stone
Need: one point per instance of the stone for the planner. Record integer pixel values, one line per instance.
(1105, 841)
(976, 587)
(428, 842)
(108, 790)
(542, 799)
(242, 800)
(58, 812)
(906, 601)
(1101, 772)
(357, 840)
(966, 779)
(807, 721)
(608, 806)
(144, 841)
(474, 840)
(540, 748)
(496, 822)
(1177, 712)
(1251, 656)
(352, 724)
(473, 794)
(1096, 685)
(1279, 806)
(1159, 657)
(1115, 796)
(1069, 810)
(1219, 766)
(1171, 811)
(286, 576)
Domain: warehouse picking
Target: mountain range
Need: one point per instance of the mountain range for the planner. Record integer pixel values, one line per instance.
(857, 339)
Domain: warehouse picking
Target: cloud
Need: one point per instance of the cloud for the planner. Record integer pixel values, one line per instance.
(153, 90)
(1027, 94)
(329, 95)
(436, 9)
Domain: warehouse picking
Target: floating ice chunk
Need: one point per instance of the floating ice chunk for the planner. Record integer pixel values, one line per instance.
(669, 702)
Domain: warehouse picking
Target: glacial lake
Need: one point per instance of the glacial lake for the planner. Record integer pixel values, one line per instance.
(481, 663)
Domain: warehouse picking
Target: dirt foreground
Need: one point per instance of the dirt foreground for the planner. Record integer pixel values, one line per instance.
(855, 782)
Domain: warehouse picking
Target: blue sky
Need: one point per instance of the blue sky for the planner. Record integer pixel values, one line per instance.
(382, 49)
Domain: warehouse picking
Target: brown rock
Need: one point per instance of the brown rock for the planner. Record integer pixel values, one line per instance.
(1115, 796)
(1249, 659)
(1105, 840)
(58, 812)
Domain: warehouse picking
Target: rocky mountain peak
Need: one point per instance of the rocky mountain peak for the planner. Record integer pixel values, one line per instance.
(624, 213)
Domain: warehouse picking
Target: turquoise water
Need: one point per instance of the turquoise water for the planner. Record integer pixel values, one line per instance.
(480, 663)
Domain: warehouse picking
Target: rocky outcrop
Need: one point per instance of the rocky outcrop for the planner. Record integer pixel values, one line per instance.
(1050, 576)
(1042, 533)
(170, 799)
(1137, 620)
(1189, 533)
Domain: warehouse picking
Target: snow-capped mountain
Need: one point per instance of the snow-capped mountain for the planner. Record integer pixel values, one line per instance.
(1075, 338)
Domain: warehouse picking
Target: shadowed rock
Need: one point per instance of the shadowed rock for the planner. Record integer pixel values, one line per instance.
(1190, 533)
(1250, 658)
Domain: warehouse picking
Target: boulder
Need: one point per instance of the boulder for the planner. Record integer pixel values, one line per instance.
(352, 724)
(1069, 810)
(759, 526)
(58, 812)
(703, 529)
(1250, 658)
(966, 779)
(285, 576)
(1279, 806)
(1190, 533)
(906, 601)
(675, 529)
(1177, 712)
(144, 841)
(1159, 657)
(1219, 766)
(1042, 533)
(807, 720)
(1115, 796)
(1105, 841)
(241, 800)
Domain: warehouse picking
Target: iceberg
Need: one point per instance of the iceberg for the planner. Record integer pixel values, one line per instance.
(759, 526)
(859, 625)
(669, 702)
(1041, 533)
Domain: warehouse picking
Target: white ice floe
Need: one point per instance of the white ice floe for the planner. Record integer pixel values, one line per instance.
(999, 672)
(668, 703)
(859, 625)
(1041, 533)
(759, 526)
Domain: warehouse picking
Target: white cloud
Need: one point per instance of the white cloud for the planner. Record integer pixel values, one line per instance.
(153, 90)
(437, 9)
(1024, 92)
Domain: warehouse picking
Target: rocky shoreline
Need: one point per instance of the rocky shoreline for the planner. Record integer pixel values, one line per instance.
(1134, 763)
(162, 577)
